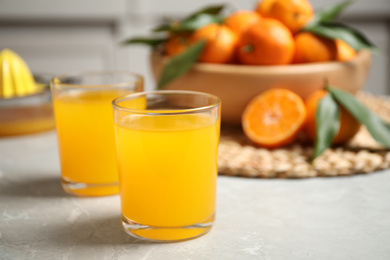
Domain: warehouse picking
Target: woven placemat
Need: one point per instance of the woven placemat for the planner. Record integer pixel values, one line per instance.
(239, 157)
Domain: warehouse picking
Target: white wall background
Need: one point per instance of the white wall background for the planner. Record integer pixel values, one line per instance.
(60, 36)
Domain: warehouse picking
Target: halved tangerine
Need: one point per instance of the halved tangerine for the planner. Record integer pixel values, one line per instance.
(274, 118)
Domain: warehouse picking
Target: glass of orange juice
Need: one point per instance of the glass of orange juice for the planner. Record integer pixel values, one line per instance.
(167, 145)
(85, 129)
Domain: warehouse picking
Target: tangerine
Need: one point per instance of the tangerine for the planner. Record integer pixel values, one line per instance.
(240, 21)
(349, 126)
(344, 51)
(267, 42)
(312, 48)
(176, 44)
(274, 118)
(292, 13)
(220, 43)
(263, 7)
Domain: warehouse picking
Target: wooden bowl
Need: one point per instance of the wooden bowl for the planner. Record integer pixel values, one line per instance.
(236, 85)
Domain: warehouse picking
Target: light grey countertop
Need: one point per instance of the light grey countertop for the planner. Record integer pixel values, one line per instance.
(319, 218)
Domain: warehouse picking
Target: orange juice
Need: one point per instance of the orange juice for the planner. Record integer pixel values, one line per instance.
(168, 171)
(86, 139)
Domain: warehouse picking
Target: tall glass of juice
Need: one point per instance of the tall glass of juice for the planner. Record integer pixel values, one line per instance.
(167, 145)
(85, 128)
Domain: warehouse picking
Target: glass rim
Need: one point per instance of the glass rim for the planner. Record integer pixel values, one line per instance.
(56, 79)
(116, 106)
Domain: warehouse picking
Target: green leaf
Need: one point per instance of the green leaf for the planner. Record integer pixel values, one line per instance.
(348, 34)
(329, 14)
(327, 124)
(146, 41)
(197, 22)
(194, 21)
(191, 24)
(165, 27)
(213, 9)
(180, 64)
(379, 129)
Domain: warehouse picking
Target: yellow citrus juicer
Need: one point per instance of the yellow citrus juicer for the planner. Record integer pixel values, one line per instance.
(16, 79)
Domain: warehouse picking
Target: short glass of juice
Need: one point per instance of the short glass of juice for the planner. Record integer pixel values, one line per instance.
(85, 128)
(167, 145)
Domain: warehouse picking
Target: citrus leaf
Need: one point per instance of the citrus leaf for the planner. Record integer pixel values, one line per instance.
(180, 64)
(329, 14)
(146, 41)
(164, 27)
(343, 32)
(194, 21)
(190, 24)
(197, 22)
(379, 129)
(213, 9)
(327, 124)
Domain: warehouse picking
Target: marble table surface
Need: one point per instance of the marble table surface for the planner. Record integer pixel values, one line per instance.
(319, 218)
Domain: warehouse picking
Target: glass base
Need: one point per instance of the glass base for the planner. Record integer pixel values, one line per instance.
(89, 189)
(166, 234)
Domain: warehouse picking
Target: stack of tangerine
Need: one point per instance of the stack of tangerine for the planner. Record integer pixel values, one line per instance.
(269, 35)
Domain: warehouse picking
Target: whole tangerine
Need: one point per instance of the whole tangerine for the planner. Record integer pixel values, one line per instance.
(241, 20)
(220, 43)
(344, 51)
(349, 126)
(295, 14)
(313, 48)
(267, 42)
(263, 6)
(176, 44)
